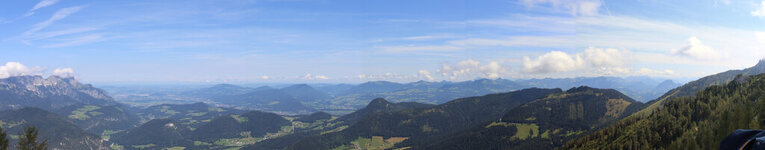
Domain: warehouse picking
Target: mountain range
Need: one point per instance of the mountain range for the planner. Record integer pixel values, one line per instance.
(49, 93)
(509, 114)
(342, 99)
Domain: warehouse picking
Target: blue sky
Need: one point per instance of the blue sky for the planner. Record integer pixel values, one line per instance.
(353, 41)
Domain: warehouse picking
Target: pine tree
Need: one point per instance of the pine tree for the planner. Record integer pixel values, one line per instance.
(3, 140)
(28, 140)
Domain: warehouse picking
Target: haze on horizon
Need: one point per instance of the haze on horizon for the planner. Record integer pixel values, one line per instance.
(345, 41)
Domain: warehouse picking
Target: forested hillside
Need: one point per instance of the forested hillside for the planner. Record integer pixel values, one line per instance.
(545, 123)
(688, 122)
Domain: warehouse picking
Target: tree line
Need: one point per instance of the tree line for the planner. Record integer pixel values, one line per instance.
(28, 140)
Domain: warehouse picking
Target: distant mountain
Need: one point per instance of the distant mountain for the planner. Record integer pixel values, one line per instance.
(219, 90)
(333, 89)
(252, 124)
(424, 124)
(268, 100)
(689, 122)
(691, 88)
(639, 88)
(97, 119)
(422, 91)
(59, 131)
(155, 134)
(286, 100)
(305, 93)
(545, 123)
(192, 115)
(374, 87)
(49, 93)
(665, 86)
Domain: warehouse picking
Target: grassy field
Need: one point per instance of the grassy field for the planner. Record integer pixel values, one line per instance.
(523, 130)
(82, 113)
(374, 143)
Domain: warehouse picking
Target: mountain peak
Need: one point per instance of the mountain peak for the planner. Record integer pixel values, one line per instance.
(579, 89)
(299, 86)
(760, 65)
(225, 85)
(379, 102)
(49, 93)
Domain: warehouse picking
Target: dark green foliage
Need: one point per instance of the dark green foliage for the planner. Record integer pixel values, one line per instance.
(161, 132)
(168, 133)
(113, 118)
(314, 117)
(55, 128)
(192, 115)
(379, 105)
(3, 140)
(698, 122)
(29, 140)
(256, 122)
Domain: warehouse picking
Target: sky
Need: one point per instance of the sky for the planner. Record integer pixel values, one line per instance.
(351, 41)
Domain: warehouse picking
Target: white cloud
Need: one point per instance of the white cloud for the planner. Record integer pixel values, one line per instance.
(603, 61)
(697, 50)
(321, 77)
(555, 61)
(265, 77)
(63, 72)
(574, 7)
(388, 76)
(426, 74)
(17, 69)
(760, 11)
(316, 77)
(492, 70)
(600, 57)
(468, 69)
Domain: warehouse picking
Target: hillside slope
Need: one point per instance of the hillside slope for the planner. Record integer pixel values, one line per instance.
(59, 131)
(698, 122)
(425, 124)
(691, 88)
(545, 123)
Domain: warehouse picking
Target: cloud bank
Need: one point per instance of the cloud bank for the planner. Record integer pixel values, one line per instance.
(11, 69)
